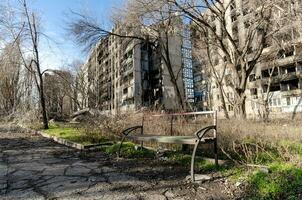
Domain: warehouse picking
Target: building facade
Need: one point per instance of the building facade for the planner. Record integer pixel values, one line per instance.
(126, 74)
(276, 80)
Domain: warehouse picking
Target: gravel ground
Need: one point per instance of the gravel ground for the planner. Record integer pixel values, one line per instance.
(32, 167)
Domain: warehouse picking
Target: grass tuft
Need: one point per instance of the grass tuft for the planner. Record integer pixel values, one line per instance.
(77, 135)
(200, 163)
(284, 181)
(130, 150)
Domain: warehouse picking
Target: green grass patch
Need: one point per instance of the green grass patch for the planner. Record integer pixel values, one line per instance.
(77, 135)
(130, 150)
(284, 181)
(294, 147)
(200, 163)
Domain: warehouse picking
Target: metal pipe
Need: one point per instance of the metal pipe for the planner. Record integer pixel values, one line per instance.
(215, 138)
(215, 123)
(183, 114)
(171, 125)
(193, 160)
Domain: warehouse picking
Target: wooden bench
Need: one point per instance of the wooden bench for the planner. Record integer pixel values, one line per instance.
(199, 137)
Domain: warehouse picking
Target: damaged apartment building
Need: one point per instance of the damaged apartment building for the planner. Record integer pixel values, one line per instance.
(276, 80)
(126, 74)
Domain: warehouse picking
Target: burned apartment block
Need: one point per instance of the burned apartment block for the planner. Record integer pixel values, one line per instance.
(126, 74)
(276, 80)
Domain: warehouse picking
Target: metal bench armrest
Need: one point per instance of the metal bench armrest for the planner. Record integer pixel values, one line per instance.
(200, 133)
(127, 131)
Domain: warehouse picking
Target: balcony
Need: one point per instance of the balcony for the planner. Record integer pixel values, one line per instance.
(128, 71)
(289, 76)
(289, 93)
(127, 84)
(128, 96)
(127, 60)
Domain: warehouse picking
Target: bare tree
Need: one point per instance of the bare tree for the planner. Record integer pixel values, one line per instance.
(81, 88)
(58, 93)
(202, 47)
(10, 69)
(142, 20)
(29, 31)
(16, 81)
(238, 56)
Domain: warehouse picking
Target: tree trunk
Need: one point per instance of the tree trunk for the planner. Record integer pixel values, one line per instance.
(226, 114)
(179, 96)
(34, 34)
(240, 106)
(167, 60)
(42, 101)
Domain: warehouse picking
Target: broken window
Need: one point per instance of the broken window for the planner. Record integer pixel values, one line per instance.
(235, 29)
(299, 66)
(268, 72)
(275, 72)
(216, 61)
(293, 84)
(230, 108)
(283, 70)
(265, 73)
(274, 102)
(125, 91)
(290, 85)
(295, 34)
(245, 11)
(233, 5)
(250, 50)
(282, 53)
(252, 77)
(264, 88)
(291, 69)
(288, 101)
(234, 18)
(288, 69)
(253, 91)
(229, 95)
(268, 42)
(275, 88)
(247, 24)
(290, 52)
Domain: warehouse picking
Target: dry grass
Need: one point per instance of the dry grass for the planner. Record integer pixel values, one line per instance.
(245, 141)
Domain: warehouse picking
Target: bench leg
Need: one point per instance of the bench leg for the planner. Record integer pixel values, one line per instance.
(193, 160)
(216, 153)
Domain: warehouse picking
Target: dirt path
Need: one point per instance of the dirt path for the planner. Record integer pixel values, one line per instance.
(32, 167)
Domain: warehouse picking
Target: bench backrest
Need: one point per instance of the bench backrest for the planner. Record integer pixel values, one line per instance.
(173, 116)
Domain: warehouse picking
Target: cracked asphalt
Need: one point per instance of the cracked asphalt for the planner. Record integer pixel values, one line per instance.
(32, 167)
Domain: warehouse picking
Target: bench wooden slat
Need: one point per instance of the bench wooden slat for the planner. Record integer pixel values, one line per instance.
(169, 139)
